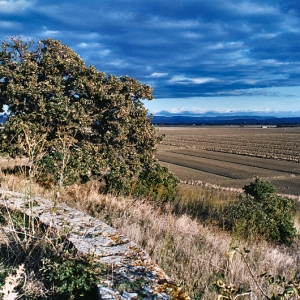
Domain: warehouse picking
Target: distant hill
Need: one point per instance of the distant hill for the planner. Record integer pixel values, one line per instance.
(224, 119)
(211, 118)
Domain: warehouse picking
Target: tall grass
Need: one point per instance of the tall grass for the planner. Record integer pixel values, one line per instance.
(192, 252)
(182, 237)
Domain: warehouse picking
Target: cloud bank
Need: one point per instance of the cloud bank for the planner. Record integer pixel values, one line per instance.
(181, 48)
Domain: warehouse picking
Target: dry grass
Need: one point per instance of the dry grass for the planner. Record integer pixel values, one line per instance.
(21, 250)
(22, 184)
(9, 164)
(192, 253)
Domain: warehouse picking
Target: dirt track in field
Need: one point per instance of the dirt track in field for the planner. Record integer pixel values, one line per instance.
(227, 169)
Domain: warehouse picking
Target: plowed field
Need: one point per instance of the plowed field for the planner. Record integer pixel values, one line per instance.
(232, 156)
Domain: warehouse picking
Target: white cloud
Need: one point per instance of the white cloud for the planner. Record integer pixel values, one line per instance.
(230, 45)
(48, 33)
(14, 6)
(194, 110)
(87, 36)
(192, 35)
(250, 81)
(216, 46)
(200, 80)
(104, 52)
(219, 110)
(249, 8)
(93, 46)
(7, 24)
(88, 45)
(158, 74)
(118, 63)
(186, 80)
(163, 23)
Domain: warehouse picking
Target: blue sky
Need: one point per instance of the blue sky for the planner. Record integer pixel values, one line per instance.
(198, 55)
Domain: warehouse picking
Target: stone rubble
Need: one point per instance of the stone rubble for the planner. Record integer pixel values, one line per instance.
(133, 274)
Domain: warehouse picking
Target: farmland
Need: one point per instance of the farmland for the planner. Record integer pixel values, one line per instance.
(230, 157)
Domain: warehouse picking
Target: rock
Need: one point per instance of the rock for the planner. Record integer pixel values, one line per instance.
(133, 274)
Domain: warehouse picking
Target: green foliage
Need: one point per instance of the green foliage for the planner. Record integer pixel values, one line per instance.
(71, 276)
(259, 189)
(73, 122)
(262, 212)
(157, 183)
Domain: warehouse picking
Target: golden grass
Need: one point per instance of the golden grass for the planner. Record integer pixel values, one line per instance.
(193, 253)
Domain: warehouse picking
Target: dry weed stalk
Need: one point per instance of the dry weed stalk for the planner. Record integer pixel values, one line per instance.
(22, 247)
(11, 282)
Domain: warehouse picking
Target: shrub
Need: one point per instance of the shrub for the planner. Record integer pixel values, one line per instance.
(260, 211)
(71, 276)
(157, 183)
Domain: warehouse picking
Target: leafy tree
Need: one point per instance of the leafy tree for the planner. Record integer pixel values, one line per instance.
(262, 212)
(88, 124)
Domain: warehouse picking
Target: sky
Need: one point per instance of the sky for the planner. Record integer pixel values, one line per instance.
(197, 55)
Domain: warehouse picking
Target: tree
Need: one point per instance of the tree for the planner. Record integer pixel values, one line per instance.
(91, 125)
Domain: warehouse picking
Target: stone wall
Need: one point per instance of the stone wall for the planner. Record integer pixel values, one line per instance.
(134, 275)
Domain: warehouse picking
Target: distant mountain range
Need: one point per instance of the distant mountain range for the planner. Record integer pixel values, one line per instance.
(215, 118)
(228, 118)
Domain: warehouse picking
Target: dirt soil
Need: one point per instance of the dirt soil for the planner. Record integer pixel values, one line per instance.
(233, 156)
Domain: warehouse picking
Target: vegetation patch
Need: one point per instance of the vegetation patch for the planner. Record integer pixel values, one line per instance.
(187, 237)
(262, 212)
(39, 264)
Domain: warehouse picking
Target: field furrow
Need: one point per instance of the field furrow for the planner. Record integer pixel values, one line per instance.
(274, 165)
(273, 143)
(233, 170)
(231, 157)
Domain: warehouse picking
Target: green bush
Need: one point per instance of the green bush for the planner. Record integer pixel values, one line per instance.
(158, 183)
(71, 276)
(261, 212)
